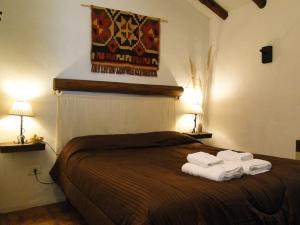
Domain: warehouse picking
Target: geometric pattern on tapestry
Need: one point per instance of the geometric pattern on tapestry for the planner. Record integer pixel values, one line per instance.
(124, 42)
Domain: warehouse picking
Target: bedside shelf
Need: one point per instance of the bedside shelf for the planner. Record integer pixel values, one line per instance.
(11, 147)
(200, 135)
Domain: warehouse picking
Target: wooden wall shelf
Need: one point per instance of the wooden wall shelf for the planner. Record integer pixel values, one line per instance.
(200, 135)
(11, 147)
(116, 87)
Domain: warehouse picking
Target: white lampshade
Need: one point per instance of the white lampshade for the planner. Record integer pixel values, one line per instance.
(195, 109)
(21, 109)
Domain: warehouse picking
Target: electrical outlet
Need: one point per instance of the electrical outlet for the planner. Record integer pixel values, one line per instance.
(32, 169)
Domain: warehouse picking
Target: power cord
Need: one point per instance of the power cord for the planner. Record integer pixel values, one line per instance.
(51, 148)
(35, 171)
(37, 178)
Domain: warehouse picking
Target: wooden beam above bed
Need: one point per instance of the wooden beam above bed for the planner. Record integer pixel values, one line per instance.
(216, 8)
(115, 87)
(260, 3)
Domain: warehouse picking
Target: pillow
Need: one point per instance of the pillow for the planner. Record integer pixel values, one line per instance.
(123, 141)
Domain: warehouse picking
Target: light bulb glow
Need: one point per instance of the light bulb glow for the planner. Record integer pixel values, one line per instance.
(185, 123)
(22, 90)
(191, 96)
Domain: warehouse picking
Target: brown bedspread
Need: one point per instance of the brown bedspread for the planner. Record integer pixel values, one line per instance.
(137, 180)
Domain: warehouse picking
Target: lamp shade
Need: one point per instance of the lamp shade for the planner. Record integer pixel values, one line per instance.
(195, 109)
(21, 109)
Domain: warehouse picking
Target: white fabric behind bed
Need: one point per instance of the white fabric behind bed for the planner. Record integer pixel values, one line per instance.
(82, 114)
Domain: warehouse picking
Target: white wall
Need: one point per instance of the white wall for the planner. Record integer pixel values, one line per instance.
(253, 106)
(40, 40)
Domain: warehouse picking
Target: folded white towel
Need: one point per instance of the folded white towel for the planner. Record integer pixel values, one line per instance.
(218, 172)
(203, 159)
(255, 166)
(229, 155)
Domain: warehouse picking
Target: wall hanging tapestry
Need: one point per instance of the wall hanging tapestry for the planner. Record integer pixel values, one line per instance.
(124, 42)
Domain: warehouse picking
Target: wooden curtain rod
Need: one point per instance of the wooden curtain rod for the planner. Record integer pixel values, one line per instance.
(116, 87)
(161, 20)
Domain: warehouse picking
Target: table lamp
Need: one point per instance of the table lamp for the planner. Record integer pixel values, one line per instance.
(21, 109)
(195, 109)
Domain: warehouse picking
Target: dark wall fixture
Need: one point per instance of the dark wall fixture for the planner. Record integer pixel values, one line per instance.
(0, 15)
(298, 145)
(267, 54)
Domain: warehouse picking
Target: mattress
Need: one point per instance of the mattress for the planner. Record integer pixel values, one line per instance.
(136, 179)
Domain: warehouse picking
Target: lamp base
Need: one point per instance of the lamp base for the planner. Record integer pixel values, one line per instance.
(21, 139)
(195, 124)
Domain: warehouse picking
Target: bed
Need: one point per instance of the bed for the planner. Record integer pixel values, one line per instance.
(136, 179)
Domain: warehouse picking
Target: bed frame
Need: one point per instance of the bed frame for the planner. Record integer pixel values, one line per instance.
(137, 108)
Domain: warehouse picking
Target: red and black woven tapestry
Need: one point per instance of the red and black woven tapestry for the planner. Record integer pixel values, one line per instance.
(124, 43)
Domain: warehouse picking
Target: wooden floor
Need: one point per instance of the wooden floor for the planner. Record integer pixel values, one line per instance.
(56, 214)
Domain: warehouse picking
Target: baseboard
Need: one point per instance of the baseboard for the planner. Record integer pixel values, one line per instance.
(30, 205)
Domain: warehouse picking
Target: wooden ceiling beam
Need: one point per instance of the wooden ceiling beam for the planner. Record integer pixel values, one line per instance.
(260, 3)
(216, 8)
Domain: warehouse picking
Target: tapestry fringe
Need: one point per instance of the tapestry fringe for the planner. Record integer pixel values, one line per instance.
(96, 68)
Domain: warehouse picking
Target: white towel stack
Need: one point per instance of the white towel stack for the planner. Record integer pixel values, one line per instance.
(255, 166)
(225, 166)
(229, 155)
(250, 166)
(208, 166)
(218, 172)
(203, 159)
